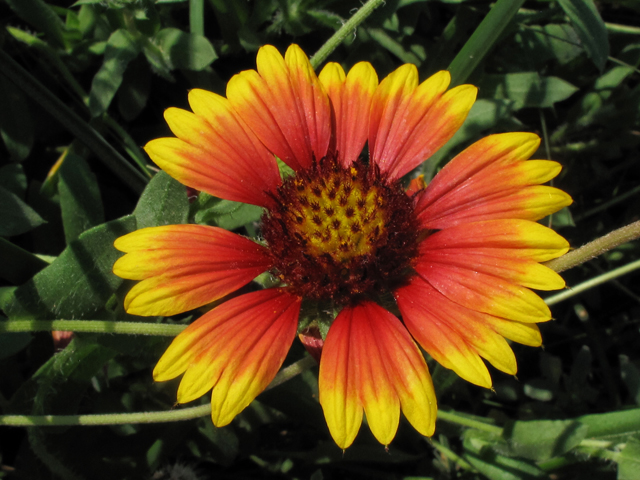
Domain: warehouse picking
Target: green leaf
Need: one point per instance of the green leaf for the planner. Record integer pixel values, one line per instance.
(227, 214)
(40, 16)
(612, 424)
(134, 91)
(16, 127)
(543, 439)
(79, 197)
(478, 452)
(526, 89)
(79, 282)
(185, 50)
(16, 217)
(590, 27)
(12, 343)
(163, 202)
(18, 265)
(121, 49)
(629, 460)
(12, 178)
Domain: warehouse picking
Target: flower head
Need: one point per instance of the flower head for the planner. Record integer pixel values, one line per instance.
(458, 256)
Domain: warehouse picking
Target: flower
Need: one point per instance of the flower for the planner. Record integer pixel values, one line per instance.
(341, 234)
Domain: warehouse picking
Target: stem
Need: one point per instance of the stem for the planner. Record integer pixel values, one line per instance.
(344, 31)
(91, 326)
(593, 282)
(142, 417)
(595, 248)
(454, 417)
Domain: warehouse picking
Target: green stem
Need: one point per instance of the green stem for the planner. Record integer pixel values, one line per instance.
(451, 416)
(141, 417)
(593, 282)
(595, 248)
(196, 16)
(91, 326)
(76, 125)
(347, 29)
(482, 40)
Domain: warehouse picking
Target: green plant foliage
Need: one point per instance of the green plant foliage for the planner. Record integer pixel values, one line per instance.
(83, 87)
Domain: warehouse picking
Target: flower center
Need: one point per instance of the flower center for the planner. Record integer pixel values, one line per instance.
(341, 234)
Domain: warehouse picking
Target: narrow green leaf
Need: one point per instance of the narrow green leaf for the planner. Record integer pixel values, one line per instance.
(196, 16)
(40, 16)
(163, 202)
(79, 282)
(543, 439)
(16, 217)
(16, 127)
(590, 27)
(121, 49)
(482, 40)
(527, 90)
(70, 120)
(79, 197)
(185, 50)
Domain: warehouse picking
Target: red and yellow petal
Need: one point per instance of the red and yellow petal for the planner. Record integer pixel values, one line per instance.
(507, 249)
(485, 293)
(285, 105)
(491, 180)
(236, 349)
(370, 363)
(408, 123)
(456, 336)
(182, 267)
(351, 101)
(517, 239)
(215, 152)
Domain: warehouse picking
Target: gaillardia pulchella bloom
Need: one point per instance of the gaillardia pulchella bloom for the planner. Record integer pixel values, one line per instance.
(458, 256)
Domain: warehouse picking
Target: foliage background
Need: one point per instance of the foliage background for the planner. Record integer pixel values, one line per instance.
(84, 85)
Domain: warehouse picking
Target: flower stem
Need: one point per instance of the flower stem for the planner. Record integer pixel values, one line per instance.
(91, 326)
(344, 31)
(142, 417)
(595, 248)
(605, 277)
(451, 416)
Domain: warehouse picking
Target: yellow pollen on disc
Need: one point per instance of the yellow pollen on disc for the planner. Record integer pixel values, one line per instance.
(338, 216)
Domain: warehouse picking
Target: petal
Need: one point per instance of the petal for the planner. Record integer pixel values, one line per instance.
(215, 152)
(408, 123)
(370, 362)
(338, 383)
(284, 105)
(484, 293)
(518, 239)
(497, 248)
(236, 349)
(183, 267)
(490, 180)
(450, 333)
(351, 101)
